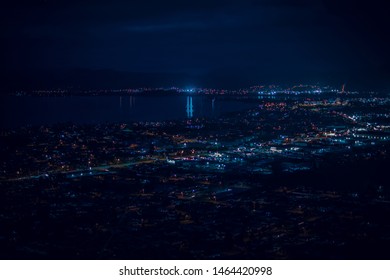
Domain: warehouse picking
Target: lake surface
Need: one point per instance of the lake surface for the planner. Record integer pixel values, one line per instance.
(19, 111)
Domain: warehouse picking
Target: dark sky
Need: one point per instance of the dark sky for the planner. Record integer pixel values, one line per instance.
(228, 44)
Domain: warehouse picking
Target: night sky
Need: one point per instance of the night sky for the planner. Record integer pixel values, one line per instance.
(227, 44)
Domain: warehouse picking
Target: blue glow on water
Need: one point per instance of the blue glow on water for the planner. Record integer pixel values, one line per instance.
(26, 110)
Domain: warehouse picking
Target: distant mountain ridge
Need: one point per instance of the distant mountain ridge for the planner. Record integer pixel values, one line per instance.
(86, 79)
(94, 79)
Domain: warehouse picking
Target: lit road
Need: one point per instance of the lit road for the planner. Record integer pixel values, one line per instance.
(91, 171)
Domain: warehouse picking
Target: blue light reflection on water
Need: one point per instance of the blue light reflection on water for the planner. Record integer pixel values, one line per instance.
(19, 111)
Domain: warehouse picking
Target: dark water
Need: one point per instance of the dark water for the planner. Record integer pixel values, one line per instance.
(22, 111)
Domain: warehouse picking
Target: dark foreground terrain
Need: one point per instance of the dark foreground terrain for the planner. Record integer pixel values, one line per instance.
(286, 180)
